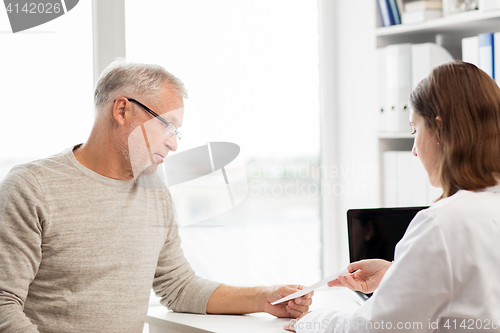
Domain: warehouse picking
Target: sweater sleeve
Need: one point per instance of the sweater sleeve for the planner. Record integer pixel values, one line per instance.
(175, 281)
(22, 215)
(410, 296)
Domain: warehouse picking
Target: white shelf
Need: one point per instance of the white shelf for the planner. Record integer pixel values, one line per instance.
(454, 26)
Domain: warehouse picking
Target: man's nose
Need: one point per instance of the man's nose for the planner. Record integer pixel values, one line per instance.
(172, 142)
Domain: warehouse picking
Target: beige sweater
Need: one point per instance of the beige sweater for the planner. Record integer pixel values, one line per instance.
(79, 252)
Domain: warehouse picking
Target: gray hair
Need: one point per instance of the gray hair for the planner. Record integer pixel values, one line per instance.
(122, 78)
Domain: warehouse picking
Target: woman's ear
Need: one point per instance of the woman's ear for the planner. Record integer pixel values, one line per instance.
(439, 122)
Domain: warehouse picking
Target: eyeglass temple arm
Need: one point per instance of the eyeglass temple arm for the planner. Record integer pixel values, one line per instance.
(154, 114)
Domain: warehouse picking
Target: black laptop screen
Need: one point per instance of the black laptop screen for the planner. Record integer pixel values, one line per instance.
(374, 233)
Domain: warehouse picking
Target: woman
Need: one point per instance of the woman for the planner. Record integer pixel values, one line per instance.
(445, 274)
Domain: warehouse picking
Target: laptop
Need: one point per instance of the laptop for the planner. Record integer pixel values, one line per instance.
(374, 233)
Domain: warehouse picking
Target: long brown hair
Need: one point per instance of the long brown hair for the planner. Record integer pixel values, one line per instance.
(468, 101)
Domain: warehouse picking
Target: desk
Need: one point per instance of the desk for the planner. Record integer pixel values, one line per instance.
(161, 320)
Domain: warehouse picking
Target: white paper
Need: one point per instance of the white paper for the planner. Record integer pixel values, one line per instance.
(311, 288)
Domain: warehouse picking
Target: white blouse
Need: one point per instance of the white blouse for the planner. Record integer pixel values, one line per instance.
(445, 276)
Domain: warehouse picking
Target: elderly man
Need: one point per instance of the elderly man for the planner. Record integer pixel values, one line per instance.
(81, 243)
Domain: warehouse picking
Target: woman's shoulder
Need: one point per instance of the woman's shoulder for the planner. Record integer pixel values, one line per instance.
(451, 202)
(464, 207)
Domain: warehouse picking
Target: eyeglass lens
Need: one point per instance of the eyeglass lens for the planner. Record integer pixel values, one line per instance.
(172, 130)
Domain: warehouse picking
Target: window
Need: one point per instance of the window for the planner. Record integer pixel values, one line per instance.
(251, 70)
(46, 85)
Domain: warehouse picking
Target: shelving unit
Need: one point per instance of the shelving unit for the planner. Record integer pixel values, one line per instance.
(447, 32)
(460, 25)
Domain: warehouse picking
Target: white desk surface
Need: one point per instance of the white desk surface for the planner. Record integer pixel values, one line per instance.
(161, 320)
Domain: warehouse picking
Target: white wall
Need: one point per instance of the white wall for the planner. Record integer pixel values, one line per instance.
(356, 158)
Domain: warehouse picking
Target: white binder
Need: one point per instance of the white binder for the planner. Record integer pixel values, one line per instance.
(390, 179)
(497, 57)
(470, 50)
(424, 58)
(405, 179)
(398, 76)
(381, 91)
(420, 182)
(486, 49)
(489, 4)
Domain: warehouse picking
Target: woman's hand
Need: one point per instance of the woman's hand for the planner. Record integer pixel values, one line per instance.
(365, 275)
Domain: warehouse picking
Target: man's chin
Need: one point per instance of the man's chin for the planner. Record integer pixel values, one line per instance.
(144, 167)
(149, 170)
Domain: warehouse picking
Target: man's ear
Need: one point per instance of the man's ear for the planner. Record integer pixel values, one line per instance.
(438, 118)
(120, 108)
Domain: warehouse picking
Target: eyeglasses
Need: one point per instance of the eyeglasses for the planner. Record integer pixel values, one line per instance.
(169, 128)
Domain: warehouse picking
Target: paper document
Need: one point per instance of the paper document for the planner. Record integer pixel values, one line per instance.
(313, 287)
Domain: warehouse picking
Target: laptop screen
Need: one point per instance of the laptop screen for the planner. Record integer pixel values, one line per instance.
(374, 232)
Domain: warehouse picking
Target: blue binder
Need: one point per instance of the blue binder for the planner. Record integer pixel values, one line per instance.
(486, 53)
(386, 12)
(395, 12)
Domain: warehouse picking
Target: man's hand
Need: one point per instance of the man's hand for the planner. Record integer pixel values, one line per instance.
(291, 309)
(365, 275)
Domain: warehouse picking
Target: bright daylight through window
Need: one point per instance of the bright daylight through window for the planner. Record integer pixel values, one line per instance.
(251, 71)
(47, 87)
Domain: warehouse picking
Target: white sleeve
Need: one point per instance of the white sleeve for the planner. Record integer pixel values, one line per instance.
(316, 321)
(412, 294)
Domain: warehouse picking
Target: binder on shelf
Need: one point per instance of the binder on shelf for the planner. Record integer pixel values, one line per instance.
(381, 91)
(489, 4)
(496, 44)
(390, 179)
(418, 16)
(423, 4)
(470, 50)
(401, 7)
(413, 183)
(398, 78)
(405, 181)
(420, 183)
(424, 58)
(385, 11)
(395, 11)
(486, 56)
